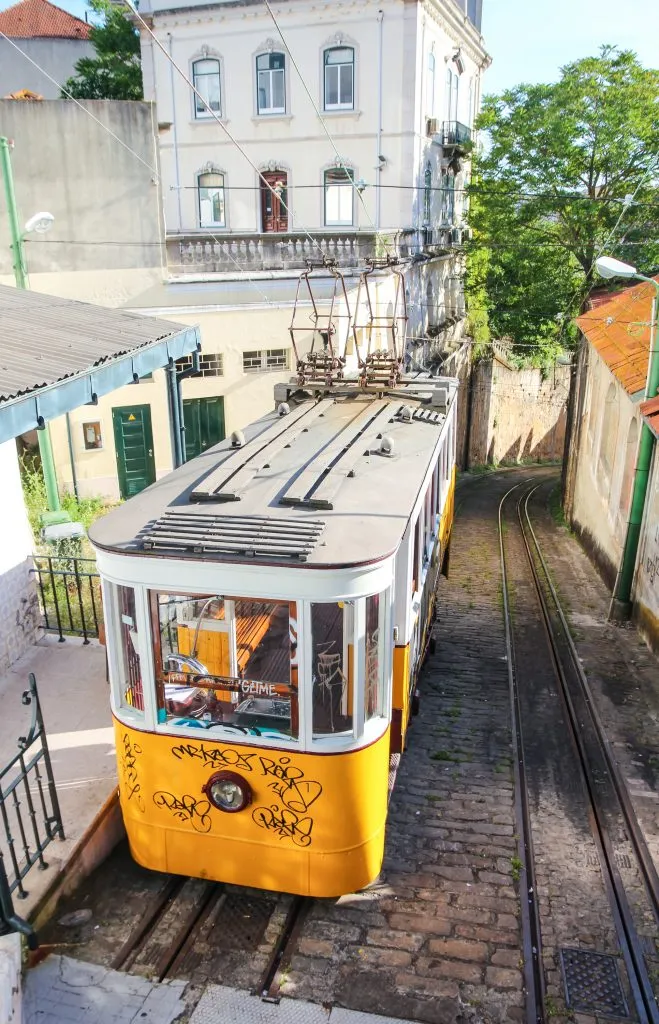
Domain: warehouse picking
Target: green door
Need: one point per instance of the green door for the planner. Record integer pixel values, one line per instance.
(133, 442)
(203, 419)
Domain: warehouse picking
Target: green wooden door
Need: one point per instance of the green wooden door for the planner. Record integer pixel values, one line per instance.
(133, 442)
(203, 419)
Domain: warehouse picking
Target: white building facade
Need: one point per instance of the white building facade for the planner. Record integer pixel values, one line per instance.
(359, 115)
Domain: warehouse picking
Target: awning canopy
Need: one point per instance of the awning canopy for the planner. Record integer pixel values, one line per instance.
(57, 354)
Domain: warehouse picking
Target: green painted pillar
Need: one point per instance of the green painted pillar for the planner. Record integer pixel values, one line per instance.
(621, 601)
(20, 273)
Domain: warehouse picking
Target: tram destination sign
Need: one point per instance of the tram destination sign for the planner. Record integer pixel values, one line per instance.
(230, 684)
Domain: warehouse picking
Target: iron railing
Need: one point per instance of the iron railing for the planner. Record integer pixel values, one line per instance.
(70, 596)
(456, 134)
(29, 812)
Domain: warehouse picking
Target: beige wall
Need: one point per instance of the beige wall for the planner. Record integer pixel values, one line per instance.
(602, 486)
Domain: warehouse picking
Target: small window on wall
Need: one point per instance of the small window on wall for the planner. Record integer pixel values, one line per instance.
(212, 211)
(270, 84)
(92, 436)
(131, 692)
(339, 78)
(206, 80)
(374, 674)
(339, 196)
(332, 667)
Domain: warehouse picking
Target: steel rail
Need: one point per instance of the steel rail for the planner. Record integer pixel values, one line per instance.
(270, 983)
(629, 941)
(534, 977)
(635, 833)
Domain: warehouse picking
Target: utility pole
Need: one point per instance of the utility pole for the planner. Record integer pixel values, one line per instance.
(20, 273)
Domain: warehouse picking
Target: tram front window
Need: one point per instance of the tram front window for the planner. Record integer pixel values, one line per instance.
(373, 675)
(131, 693)
(226, 662)
(332, 667)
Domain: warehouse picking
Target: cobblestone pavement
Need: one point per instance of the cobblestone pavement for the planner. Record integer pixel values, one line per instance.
(437, 938)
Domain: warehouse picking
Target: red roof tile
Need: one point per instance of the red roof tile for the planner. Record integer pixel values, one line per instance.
(31, 19)
(620, 331)
(650, 412)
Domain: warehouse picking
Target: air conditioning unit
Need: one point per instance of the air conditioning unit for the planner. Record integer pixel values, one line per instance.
(432, 126)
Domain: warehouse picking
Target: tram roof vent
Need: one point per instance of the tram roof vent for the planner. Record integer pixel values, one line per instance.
(207, 534)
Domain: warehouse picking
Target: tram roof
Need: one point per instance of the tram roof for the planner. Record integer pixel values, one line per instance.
(311, 487)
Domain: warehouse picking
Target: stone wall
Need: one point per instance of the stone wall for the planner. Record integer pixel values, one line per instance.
(516, 415)
(19, 603)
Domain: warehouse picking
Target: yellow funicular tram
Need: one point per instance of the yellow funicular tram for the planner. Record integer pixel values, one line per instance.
(268, 606)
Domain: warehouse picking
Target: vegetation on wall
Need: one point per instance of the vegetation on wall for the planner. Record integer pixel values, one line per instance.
(552, 188)
(116, 72)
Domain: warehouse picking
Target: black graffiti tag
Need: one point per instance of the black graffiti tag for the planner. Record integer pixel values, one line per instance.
(129, 755)
(214, 757)
(284, 823)
(186, 808)
(294, 791)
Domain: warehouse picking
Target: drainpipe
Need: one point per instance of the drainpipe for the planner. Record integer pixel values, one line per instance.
(74, 475)
(621, 606)
(176, 406)
(192, 372)
(177, 177)
(20, 273)
(378, 144)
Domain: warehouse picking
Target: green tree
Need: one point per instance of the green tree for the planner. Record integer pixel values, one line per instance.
(554, 183)
(115, 73)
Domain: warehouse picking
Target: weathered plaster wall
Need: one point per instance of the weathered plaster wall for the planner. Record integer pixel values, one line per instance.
(646, 587)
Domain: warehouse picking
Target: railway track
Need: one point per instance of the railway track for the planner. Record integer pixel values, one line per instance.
(549, 689)
(186, 915)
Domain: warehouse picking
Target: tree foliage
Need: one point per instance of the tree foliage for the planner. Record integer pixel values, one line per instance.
(552, 189)
(116, 72)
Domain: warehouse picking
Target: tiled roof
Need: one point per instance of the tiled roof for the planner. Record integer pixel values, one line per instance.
(31, 19)
(620, 331)
(650, 412)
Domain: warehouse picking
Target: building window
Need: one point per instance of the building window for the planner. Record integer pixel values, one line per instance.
(211, 364)
(212, 211)
(339, 197)
(448, 197)
(91, 433)
(265, 359)
(206, 79)
(271, 83)
(430, 86)
(607, 452)
(427, 194)
(452, 86)
(339, 78)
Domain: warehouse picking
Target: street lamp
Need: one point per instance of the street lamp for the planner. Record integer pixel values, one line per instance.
(620, 608)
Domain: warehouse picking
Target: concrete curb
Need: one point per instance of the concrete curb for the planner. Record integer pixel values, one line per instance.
(11, 1001)
(94, 846)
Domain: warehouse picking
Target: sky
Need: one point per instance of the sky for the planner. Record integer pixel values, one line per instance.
(530, 40)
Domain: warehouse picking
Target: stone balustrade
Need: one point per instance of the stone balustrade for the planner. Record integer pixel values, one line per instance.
(201, 253)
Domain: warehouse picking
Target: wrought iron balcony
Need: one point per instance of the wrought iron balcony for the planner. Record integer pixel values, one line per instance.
(457, 136)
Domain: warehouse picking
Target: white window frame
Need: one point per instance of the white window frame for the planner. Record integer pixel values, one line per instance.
(269, 72)
(204, 113)
(431, 84)
(220, 188)
(265, 355)
(351, 64)
(341, 199)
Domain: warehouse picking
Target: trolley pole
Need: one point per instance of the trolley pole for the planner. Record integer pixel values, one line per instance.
(20, 273)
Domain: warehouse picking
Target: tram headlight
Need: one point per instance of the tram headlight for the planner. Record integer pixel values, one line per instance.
(228, 791)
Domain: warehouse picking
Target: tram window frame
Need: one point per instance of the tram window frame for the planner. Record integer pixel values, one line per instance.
(378, 707)
(168, 720)
(349, 671)
(120, 669)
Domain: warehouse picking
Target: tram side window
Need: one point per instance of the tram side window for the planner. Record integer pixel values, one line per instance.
(373, 675)
(130, 680)
(225, 661)
(415, 557)
(332, 667)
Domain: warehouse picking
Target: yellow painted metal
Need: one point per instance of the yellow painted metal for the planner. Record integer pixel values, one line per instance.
(315, 825)
(212, 651)
(446, 521)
